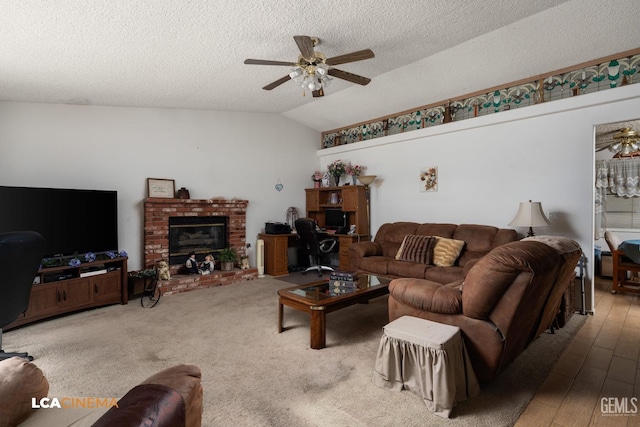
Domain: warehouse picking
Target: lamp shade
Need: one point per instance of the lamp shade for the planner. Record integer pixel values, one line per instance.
(530, 214)
(367, 179)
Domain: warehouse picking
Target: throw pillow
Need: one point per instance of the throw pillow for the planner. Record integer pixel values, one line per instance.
(447, 251)
(20, 380)
(417, 249)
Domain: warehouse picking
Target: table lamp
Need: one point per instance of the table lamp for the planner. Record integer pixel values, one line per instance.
(530, 215)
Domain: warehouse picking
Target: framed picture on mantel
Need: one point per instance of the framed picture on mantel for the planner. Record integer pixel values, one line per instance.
(161, 188)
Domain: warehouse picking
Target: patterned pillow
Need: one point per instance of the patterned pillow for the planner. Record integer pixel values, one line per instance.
(417, 249)
(447, 251)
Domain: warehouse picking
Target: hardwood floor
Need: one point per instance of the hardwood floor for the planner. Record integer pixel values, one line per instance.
(599, 370)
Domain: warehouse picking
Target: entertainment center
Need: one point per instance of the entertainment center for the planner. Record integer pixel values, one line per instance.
(82, 266)
(92, 284)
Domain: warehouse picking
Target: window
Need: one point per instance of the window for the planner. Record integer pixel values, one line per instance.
(622, 212)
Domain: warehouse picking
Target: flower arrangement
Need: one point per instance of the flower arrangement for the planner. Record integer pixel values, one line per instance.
(337, 168)
(317, 176)
(354, 170)
(76, 260)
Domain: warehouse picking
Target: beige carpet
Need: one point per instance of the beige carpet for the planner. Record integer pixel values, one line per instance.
(253, 376)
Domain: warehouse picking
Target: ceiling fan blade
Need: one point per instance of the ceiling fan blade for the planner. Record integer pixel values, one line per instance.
(604, 147)
(351, 57)
(317, 93)
(277, 83)
(267, 62)
(305, 44)
(354, 78)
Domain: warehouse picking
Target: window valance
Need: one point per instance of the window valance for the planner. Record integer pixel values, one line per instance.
(620, 176)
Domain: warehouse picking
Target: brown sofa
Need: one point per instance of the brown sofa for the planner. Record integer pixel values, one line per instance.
(508, 298)
(172, 397)
(378, 257)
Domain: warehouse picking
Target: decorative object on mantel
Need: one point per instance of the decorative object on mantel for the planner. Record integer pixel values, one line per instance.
(163, 270)
(183, 193)
(429, 179)
(228, 258)
(244, 262)
(161, 188)
(530, 215)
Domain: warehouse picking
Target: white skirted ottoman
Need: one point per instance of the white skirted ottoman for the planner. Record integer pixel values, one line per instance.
(427, 358)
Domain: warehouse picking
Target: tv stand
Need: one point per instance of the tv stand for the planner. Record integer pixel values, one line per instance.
(65, 289)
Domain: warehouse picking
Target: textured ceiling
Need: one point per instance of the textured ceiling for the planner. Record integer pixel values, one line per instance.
(189, 54)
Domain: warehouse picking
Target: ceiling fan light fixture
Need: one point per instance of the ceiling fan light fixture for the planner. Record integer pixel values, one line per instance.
(326, 81)
(295, 73)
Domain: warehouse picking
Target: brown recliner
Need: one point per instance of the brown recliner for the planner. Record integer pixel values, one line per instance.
(501, 307)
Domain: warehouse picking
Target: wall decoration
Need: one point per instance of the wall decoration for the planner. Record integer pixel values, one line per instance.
(279, 185)
(429, 179)
(161, 188)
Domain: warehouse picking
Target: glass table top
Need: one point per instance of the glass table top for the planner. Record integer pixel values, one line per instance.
(332, 288)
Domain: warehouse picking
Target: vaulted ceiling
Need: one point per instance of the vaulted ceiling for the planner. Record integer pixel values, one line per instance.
(189, 54)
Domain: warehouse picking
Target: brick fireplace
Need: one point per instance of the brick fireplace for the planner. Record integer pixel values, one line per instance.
(157, 214)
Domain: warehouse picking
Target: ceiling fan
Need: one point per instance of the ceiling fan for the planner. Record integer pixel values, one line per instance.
(624, 143)
(313, 68)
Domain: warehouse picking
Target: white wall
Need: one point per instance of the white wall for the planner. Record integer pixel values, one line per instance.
(487, 165)
(210, 153)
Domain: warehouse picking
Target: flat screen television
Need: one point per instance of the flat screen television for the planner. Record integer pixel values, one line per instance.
(334, 218)
(71, 221)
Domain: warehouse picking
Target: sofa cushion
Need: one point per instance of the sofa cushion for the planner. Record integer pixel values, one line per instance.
(375, 264)
(416, 248)
(20, 381)
(426, 295)
(391, 235)
(447, 251)
(443, 274)
(407, 269)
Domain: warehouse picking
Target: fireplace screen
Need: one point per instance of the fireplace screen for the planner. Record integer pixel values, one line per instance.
(202, 235)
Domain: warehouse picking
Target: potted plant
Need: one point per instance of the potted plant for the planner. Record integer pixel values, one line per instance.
(228, 258)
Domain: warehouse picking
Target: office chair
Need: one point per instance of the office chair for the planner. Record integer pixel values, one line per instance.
(623, 267)
(20, 255)
(313, 246)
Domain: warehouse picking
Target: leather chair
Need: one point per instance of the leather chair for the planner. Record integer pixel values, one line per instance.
(313, 246)
(20, 255)
(624, 268)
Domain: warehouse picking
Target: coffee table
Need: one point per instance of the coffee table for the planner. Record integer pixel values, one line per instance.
(319, 299)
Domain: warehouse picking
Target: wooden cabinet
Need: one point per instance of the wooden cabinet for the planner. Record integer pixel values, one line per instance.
(351, 199)
(106, 287)
(63, 290)
(276, 246)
